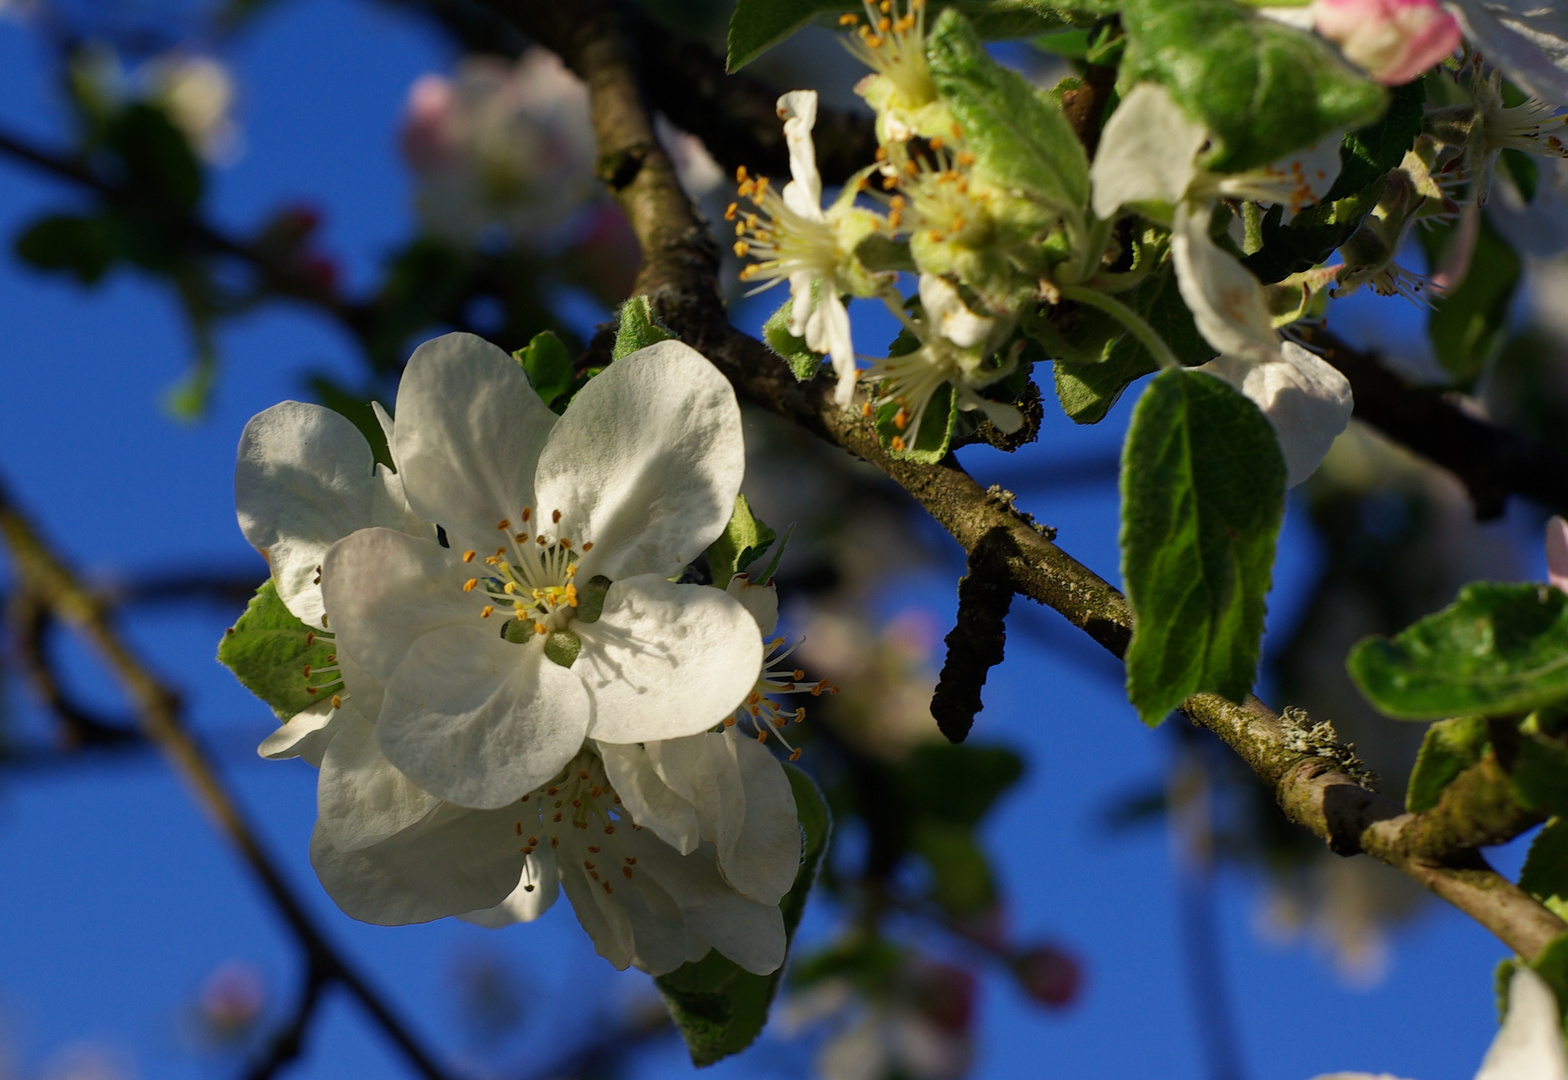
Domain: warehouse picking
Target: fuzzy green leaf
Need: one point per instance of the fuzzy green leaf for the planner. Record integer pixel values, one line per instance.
(719, 1008)
(268, 650)
(930, 443)
(743, 542)
(1203, 493)
(1545, 873)
(1450, 747)
(639, 328)
(548, 366)
(1498, 650)
(1263, 89)
(803, 363)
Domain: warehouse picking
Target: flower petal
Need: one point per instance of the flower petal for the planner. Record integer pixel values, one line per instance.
(645, 795)
(1528, 41)
(645, 464)
(303, 481)
(946, 310)
(666, 660)
(538, 889)
(827, 331)
(305, 735)
(761, 601)
(631, 921)
(1226, 301)
(478, 721)
(1530, 1043)
(452, 862)
(360, 798)
(803, 194)
(1304, 396)
(1146, 153)
(469, 430)
(386, 590)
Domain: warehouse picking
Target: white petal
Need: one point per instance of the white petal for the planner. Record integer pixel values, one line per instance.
(1530, 1044)
(1527, 40)
(305, 735)
(1146, 153)
(454, 861)
(827, 331)
(650, 801)
(469, 430)
(478, 721)
(389, 506)
(634, 921)
(645, 464)
(302, 482)
(760, 601)
(540, 885)
(1304, 396)
(1226, 301)
(666, 660)
(801, 301)
(744, 806)
(798, 110)
(360, 798)
(946, 310)
(1556, 556)
(386, 590)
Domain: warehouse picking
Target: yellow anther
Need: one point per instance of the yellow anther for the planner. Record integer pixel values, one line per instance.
(565, 543)
(540, 540)
(503, 524)
(307, 671)
(540, 628)
(555, 517)
(884, 24)
(528, 512)
(730, 211)
(740, 174)
(521, 538)
(848, 19)
(729, 721)
(487, 611)
(310, 638)
(468, 556)
(468, 586)
(794, 755)
(586, 547)
(898, 443)
(742, 249)
(337, 701)
(509, 588)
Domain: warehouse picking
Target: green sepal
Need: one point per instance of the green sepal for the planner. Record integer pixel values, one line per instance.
(778, 556)
(1021, 140)
(548, 366)
(718, 1007)
(562, 647)
(268, 649)
(803, 363)
(590, 598)
(743, 542)
(1263, 89)
(1203, 494)
(1498, 650)
(638, 328)
(1450, 747)
(1545, 873)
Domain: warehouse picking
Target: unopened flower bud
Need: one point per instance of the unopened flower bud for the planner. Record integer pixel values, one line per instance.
(1048, 975)
(1394, 41)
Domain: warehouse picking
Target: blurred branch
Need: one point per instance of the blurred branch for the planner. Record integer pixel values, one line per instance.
(602, 1055)
(47, 578)
(1492, 462)
(288, 1043)
(31, 621)
(679, 274)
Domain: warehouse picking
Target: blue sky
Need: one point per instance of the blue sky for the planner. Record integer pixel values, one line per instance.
(117, 899)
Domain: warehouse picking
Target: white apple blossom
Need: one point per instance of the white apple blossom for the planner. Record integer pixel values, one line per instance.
(793, 239)
(1527, 39)
(1529, 1046)
(892, 43)
(1148, 155)
(551, 618)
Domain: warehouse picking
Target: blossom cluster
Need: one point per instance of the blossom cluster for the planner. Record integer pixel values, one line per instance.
(522, 697)
(999, 264)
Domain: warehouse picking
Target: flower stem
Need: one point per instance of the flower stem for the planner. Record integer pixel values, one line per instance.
(1128, 318)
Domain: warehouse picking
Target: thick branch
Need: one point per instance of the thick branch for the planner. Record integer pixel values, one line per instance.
(679, 276)
(43, 574)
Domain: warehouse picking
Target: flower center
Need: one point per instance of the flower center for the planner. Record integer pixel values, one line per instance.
(933, 195)
(533, 576)
(761, 709)
(782, 241)
(577, 814)
(892, 42)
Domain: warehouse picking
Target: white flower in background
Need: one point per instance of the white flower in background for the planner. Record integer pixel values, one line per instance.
(551, 617)
(1528, 1047)
(920, 1025)
(1527, 39)
(501, 146)
(953, 347)
(1532, 127)
(892, 43)
(1394, 41)
(1148, 154)
(793, 239)
(198, 94)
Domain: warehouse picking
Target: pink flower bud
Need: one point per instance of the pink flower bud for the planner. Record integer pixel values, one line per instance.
(1048, 975)
(428, 135)
(1557, 553)
(1394, 41)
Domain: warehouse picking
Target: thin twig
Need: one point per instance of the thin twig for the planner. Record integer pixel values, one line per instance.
(288, 1042)
(47, 577)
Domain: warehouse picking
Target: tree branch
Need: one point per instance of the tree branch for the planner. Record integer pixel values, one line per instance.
(679, 276)
(46, 577)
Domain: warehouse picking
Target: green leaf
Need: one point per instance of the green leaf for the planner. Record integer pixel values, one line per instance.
(719, 1008)
(803, 363)
(1545, 873)
(1498, 650)
(1019, 137)
(69, 243)
(268, 650)
(930, 443)
(1262, 88)
(1203, 492)
(548, 366)
(639, 328)
(1450, 747)
(757, 25)
(961, 879)
(1539, 774)
(742, 543)
(158, 159)
(970, 777)
(1468, 321)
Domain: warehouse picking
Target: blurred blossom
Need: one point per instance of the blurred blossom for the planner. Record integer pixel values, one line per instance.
(197, 92)
(89, 1061)
(917, 1023)
(231, 1002)
(886, 676)
(1345, 908)
(502, 146)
